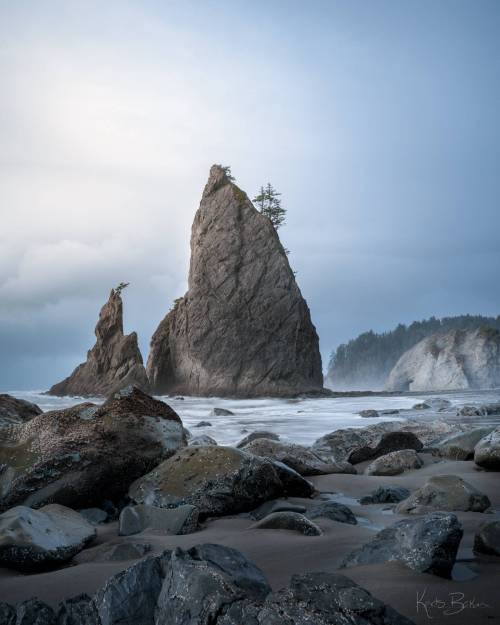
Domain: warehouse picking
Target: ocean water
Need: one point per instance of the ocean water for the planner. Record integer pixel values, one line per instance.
(295, 420)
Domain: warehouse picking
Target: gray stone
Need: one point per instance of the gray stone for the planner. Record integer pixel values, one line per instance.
(487, 451)
(78, 610)
(84, 454)
(426, 544)
(462, 446)
(175, 521)
(218, 481)
(94, 515)
(395, 463)
(298, 457)
(369, 414)
(487, 538)
(201, 584)
(386, 494)
(240, 287)
(333, 511)
(288, 521)
(202, 441)
(33, 539)
(114, 362)
(203, 424)
(255, 435)
(444, 492)
(459, 359)
(221, 412)
(34, 612)
(276, 506)
(13, 410)
(7, 614)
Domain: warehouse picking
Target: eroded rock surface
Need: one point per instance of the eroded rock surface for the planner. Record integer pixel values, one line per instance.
(240, 287)
(15, 411)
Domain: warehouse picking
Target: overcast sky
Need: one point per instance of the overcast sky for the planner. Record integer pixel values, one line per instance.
(378, 121)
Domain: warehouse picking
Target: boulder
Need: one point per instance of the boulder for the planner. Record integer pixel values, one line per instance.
(459, 359)
(487, 451)
(333, 511)
(275, 506)
(114, 362)
(293, 521)
(113, 552)
(487, 538)
(255, 435)
(202, 441)
(386, 494)
(395, 463)
(203, 583)
(221, 412)
(369, 414)
(84, 454)
(203, 424)
(94, 515)
(14, 411)
(421, 406)
(389, 442)
(79, 610)
(462, 446)
(34, 539)
(217, 480)
(7, 614)
(241, 287)
(298, 457)
(444, 492)
(324, 599)
(427, 544)
(180, 520)
(34, 612)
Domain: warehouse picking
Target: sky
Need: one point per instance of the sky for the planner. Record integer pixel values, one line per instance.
(377, 120)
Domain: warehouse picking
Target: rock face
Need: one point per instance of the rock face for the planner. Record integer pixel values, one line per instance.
(33, 539)
(85, 454)
(459, 359)
(241, 288)
(428, 544)
(113, 363)
(217, 480)
(487, 451)
(444, 492)
(13, 411)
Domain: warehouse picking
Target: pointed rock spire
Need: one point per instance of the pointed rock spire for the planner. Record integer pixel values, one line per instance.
(114, 362)
(243, 328)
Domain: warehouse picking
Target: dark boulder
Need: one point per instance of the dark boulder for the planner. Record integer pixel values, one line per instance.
(487, 538)
(255, 435)
(333, 511)
(79, 610)
(293, 521)
(386, 494)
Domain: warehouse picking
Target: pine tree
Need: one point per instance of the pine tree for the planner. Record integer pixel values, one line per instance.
(269, 204)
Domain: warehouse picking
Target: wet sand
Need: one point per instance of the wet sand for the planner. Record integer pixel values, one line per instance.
(281, 553)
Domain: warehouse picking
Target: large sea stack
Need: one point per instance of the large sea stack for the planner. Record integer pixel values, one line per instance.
(460, 359)
(243, 328)
(113, 363)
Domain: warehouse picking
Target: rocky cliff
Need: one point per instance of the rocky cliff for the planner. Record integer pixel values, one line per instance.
(113, 363)
(243, 328)
(460, 359)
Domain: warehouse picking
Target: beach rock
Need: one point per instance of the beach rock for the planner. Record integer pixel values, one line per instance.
(386, 494)
(82, 455)
(14, 411)
(462, 446)
(7, 614)
(201, 584)
(427, 544)
(298, 457)
(487, 451)
(421, 406)
(444, 492)
(487, 538)
(275, 506)
(79, 610)
(389, 442)
(293, 521)
(293, 484)
(129, 598)
(325, 599)
(33, 539)
(241, 287)
(94, 515)
(395, 463)
(34, 612)
(203, 424)
(459, 359)
(333, 511)
(221, 412)
(114, 362)
(180, 520)
(255, 435)
(217, 480)
(369, 414)
(439, 404)
(112, 552)
(202, 441)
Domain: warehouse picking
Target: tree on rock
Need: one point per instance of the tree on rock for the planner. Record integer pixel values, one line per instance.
(268, 202)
